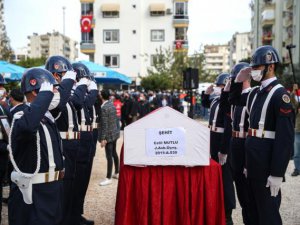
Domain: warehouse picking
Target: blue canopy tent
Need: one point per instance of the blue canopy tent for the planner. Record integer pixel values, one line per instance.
(11, 72)
(106, 75)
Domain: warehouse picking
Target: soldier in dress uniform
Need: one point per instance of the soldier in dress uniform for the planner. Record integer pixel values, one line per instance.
(270, 136)
(219, 122)
(36, 155)
(5, 114)
(66, 120)
(233, 99)
(86, 147)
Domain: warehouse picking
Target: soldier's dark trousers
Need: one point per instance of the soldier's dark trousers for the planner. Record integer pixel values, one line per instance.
(90, 165)
(82, 166)
(265, 207)
(228, 188)
(70, 151)
(45, 210)
(241, 183)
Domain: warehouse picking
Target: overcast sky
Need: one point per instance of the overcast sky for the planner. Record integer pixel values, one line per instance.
(211, 22)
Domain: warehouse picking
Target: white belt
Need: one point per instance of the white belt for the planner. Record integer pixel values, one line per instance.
(216, 129)
(261, 133)
(69, 135)
(86, 128)
(239, 134)
(47, 177)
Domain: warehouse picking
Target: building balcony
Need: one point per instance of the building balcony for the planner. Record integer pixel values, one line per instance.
(45, 44)
(87, 47)
(87, 1)
(180, 46)
(288, 22)
(289, 4)
(269, 4)
(181, 22)
(267, 37)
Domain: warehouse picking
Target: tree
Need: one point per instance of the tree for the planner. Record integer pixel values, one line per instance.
(167, 69)
(32, 62)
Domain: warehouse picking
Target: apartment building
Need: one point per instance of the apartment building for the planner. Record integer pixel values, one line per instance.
(276, 23)
(239, 48)
(125, 35)
(216, 58)
(19, 54)
(53, 43)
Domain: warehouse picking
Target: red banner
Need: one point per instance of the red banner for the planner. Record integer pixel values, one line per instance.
(86, 23)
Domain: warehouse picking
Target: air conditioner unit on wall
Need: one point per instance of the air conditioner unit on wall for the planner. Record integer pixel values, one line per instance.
(168, 11)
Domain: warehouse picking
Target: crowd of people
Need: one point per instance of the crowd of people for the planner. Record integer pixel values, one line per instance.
(50, 127)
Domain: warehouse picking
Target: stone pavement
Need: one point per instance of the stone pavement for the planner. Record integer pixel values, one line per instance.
(100, 201)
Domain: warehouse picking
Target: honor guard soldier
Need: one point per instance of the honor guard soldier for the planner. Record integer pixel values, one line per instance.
(36, 155)
(86, 148)
(219, 141)
(270, 136)
(66, 120)
(233, 100)
(5, 116)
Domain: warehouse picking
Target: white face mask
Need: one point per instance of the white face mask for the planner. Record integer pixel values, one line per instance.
(55, 101)
(257, 75)
(217, 90)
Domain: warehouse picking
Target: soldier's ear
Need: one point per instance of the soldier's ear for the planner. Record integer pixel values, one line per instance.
(34, 93)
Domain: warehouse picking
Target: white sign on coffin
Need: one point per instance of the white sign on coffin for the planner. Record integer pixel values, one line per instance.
(166, 137)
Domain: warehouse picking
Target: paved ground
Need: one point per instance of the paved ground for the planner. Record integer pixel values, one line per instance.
(100, 201)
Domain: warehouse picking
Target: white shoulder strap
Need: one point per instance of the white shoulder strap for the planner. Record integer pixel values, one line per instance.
(261, 123)
(70, 117)
(242, 122)
(17, 116)
(49, 148)
(248, 99)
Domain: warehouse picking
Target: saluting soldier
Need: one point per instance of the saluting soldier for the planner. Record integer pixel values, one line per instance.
(270, 136)
(66, 120)
(86, 146)
(36, 155)
(220, 133)
(233, 100)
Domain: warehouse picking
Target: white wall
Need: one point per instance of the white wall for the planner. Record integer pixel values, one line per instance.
(131, 44)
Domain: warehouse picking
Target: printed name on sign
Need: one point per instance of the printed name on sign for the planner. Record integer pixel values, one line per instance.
(165, 142)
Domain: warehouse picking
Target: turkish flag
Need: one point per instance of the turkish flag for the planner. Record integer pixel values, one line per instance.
(86, 23)
(178, 44)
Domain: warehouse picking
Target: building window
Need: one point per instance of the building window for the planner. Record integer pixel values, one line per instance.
(157, 13)
(156, 60)
(134, 31)
(181, 33)
(134, 56)
(134, 6)
(86, 8)
(110, 14)
(112, 60)
(181, 10)
(87, 37)
(157, 35)
(111, 36)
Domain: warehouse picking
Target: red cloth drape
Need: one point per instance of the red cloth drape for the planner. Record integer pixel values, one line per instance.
(170, 195)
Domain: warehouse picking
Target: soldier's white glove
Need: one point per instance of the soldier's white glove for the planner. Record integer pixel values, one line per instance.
(209, 90)
(227, 86)
(245, 172)
(274, 183)
(69, 75)
(243, 75)
(83, 81)
(222, 158)
(92, 86)
(46, 86)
